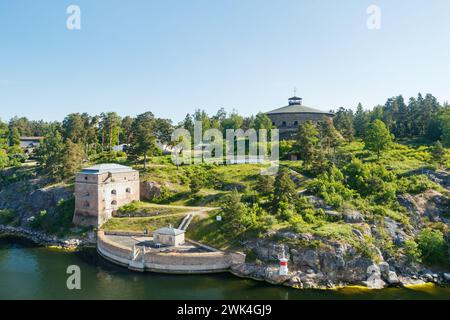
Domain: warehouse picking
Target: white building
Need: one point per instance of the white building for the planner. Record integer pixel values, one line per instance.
(169, 236)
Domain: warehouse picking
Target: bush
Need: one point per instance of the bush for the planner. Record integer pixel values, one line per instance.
(330, 186)
(412, 251)
(285, 211)
(130, 207)
(7, 216)
(371, 180)
(416, 184)
(59, 222)
(432, 245)
(110, 156)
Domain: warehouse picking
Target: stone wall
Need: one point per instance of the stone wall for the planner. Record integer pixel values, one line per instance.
(113, 251)
(293, 120)
(173, 262)
(288, 123)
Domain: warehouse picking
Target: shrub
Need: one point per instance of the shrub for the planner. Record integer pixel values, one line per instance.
(285, 211)
(7, 216)
(416, 184)
(432, 245)
(130, 207)
(330, 186)
(412, 251)
(59, 222)
(371, 180)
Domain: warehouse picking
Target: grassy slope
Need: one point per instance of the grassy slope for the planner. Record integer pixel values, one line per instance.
(142, 223)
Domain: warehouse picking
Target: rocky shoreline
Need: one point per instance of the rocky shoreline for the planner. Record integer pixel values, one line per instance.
(332, 266)
(378, 279)
(40, 238)
(375, 276)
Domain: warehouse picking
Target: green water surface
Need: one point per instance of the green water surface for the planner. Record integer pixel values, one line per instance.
(31, 272)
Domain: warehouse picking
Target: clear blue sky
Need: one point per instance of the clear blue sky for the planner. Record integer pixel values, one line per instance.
(173, 56)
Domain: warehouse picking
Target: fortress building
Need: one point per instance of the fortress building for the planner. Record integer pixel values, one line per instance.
(288, 118)
(102, 189)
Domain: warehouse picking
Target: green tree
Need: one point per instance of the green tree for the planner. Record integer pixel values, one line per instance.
(163, 130)
(49, 155)
(126, 130)
(444, 120)
(438, 153)
(195, 183)
(412, 251)
(4, 160)
(110, 129)
(234, 211)
(4, 135)
(143, 140)
(361, 121)
(378, 137)
(343, 122)
(72, 157)
(23, 126)
(233, 121)
(262, 121)
(74, 128)
(14, 136)
(329, 136)
(188, 124)
(202, 116)
(307, 142)
(91, 129)
(284, 191)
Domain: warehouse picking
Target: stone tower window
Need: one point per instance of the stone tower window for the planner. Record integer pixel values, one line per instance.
(296, 123)
(113, 192)
(87, 194)
(114, 202)
(85, 177)
(284, 124)
(86, 204)
(128, 190)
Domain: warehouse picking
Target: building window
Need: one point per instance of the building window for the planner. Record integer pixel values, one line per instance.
(86, 204)
(113, 192)
(87, 194)
(128, 190)
(114, 202)
(295, 123)
(273, 123)
(85, 177)
(283, 124)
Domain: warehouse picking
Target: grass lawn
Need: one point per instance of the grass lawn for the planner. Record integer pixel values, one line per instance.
(146, 209)
(210, 232)
(139, 224)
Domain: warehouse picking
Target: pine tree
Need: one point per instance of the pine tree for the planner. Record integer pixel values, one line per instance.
(49, 155)
(343, 122)
(14, 137)
(72, 157)
(329, 136)
(110, 129)
(438, 153)
(233, 211)
(361, 121)
(143, 141)
(444, 120)
(284, 190)
(307, 142)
